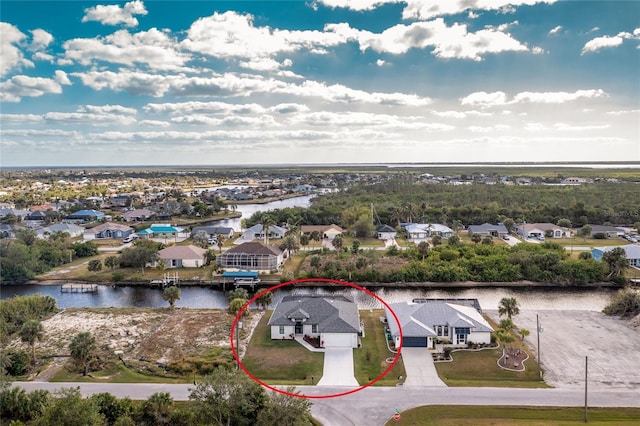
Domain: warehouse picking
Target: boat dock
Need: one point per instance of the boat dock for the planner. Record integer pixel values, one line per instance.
(79, 288)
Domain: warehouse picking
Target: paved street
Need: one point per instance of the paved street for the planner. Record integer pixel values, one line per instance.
(375, 405)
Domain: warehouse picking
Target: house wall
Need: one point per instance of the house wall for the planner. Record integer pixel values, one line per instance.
(386, 235)
(480, 337)
(275, 332)
(186, 263)
(306, 329)
(331, 233)
(349, 340)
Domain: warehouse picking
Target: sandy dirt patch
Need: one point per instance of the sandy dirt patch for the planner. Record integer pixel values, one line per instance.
(612, 346)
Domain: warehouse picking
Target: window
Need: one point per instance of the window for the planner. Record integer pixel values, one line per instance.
(314, 328)
(281, 329)
(446, 330)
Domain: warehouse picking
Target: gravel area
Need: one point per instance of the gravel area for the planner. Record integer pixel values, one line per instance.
(612, 346)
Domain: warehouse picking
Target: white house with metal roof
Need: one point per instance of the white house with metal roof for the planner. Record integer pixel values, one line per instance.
(631, 251)
(334, 319)
(425, 230)
(425, 322)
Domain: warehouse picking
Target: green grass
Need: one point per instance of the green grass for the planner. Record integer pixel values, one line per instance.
(116, 374)
(463, 415)
(364, 242)
(374, 345)
(480, 368)
(281, 361)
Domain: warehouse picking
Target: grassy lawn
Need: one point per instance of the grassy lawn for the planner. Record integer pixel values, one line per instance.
(449, 415)
(374, 345)
(364, 242)
(281, 361)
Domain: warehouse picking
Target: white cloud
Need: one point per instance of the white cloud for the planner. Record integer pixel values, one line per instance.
(426, 9)
(605, 41)
(154, 123)
(261, 64)
(99, 119)
(61, 77)
(108, 109)
(538, 50)
(579, 128)
(289, 108)
(484, 99)
(450, 114)
(196, 107)
(41, 56)
(153, 48)
(40, 39)
(19, 86)
(489, 129)
(447, 41)
(555, 30)
(11, 57)
(380, 62)
(359, 5)
(20, 118)
(116, 15)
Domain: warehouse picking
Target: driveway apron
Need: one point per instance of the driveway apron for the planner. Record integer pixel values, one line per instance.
(420, 368)
(338, 368)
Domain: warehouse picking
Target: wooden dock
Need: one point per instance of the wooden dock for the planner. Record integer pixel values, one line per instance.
(79, 288)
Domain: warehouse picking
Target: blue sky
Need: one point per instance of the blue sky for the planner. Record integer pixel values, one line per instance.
(324, 81)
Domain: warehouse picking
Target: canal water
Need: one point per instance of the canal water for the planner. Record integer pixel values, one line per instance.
(593, 299)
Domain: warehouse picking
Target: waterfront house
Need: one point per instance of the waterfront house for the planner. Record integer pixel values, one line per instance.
(632, 253)
(85, 216)
(253, 256)
(214, 231)
(107, 231)
(138, 215)
(334, 320)
(326, 231)
(183, 256)
(256, 232)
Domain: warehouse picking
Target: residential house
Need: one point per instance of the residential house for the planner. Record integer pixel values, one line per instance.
(214, 231)
(85, 216)
(537, 230)
(69, 228)
(575, 181)
(253, 256)
(257, 233)
(632, 252)
(608, 231)
(183, 256)
(9, 230)
(36, 216)
(487, 229)
(327, 231)
(19, 214)
(426, 321)
(138, 215)
(425, 230)
(107, 231)
(160, 230)
(386, 232)
(332, 319)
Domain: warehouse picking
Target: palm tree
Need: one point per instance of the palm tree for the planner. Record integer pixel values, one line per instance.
(617, 261)
(82, 349)
(220, 242)
(338, 242)
(171, 294)
(266, 221)
(508, 306)
(31, 332)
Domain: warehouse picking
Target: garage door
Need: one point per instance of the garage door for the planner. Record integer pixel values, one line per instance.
(414, 342)
(337, 339)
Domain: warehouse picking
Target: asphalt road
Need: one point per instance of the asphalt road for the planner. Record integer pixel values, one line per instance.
(375, 405)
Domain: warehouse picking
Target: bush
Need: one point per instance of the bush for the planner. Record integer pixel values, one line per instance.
(17, 362)
(117, 276)
(626, 303)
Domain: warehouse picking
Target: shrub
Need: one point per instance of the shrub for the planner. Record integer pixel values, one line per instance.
(625, 303)
(117, 276)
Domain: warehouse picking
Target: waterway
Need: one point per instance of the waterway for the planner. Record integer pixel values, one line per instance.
(593, 299)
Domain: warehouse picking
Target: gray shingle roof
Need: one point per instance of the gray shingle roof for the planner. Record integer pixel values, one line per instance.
(337, 314)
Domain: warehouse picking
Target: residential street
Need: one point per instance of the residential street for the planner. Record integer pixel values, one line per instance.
(375, 405)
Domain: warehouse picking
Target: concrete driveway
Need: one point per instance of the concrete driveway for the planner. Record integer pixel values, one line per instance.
(338, 368)
(420, 368)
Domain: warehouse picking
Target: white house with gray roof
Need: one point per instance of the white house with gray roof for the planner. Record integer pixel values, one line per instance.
(426, 322)
(485, 229)
(334, 319)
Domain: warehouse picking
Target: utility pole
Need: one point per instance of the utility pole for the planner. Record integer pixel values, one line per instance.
(586, 369)
(538, 334)
(238, 327)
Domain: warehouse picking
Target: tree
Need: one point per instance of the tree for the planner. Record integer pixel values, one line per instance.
(476, 238)
(488, 240)
(585, 255)
(171, 294)
(423, 249)
(338, 242)
(453, 240)
(585, 231)
(363, 228)
(31, 332)
(564, 222)
(509, 224)
(523, 332)
(316, 236)
(617, 261)
(83, 347)
(315, 262)
(94, 265)
(285, 410)
(157, 409)
(228, 397)
(304, 240)
(436, 240)
(508, 306)
(505, 336)
(220, 242)
(111, 262)
(236, 304)
(265, 299)
(355, 246)
(69, 408)
(266, 221)
(289, 243)
(238, 293)
(138, 256)
(85, 249)
(111, 407)
(201, 239)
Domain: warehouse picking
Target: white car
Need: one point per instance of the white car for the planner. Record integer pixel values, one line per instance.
(505, 237)
(130, 239)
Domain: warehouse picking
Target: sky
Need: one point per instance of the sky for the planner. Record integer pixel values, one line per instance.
(318, 81)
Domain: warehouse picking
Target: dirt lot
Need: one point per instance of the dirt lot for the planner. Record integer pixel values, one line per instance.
(611, 345)
(156, 335)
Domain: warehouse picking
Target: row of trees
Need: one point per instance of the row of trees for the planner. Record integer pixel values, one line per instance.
(546, 262)
(226, 397)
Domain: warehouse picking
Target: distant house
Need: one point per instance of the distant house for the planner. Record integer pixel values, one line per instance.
(69, 228)
(256, 232)
(386, 232)
(575, 181)
(85, 216)
(485, 229)
(253, 256)
(19, 214)
(429, 320)
(37, 215)
(160, 230)
(632, 252)
(214, 231)
(537, 230)
(326, 231)
(426, 230)
(9, 230)
(183, 256)
(107, 231)
(304, 188)
(608, 231)
(138, 215)
(332, 319)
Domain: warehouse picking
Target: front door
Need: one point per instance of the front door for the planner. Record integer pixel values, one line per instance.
(298, 327)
